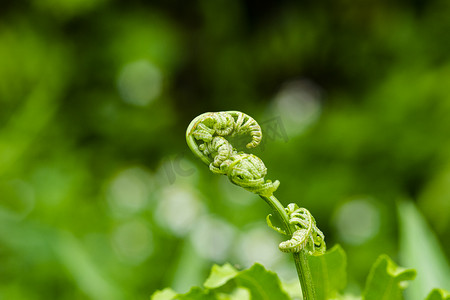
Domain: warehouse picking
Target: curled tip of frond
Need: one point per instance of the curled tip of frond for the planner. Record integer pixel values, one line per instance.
(307, 235)
(206, 138)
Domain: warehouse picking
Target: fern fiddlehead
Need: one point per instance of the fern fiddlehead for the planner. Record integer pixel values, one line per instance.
(207, 136)
(307, 236)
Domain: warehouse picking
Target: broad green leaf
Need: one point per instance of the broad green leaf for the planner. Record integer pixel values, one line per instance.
(386, 280)
(197, 293)
(438, 294)
(220, 275)
(420, 249)
(238, 294)
(261, 283)
(165, 294)
(329, 272)
(255, 283)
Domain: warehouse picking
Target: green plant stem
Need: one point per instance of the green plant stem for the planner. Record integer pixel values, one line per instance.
(300, 259)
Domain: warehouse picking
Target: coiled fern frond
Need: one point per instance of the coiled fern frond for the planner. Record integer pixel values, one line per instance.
(206, 136)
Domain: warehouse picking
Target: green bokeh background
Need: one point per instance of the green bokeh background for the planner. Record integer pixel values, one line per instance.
(100, 197)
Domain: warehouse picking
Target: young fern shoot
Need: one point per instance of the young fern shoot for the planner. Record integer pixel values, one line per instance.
(206, 137)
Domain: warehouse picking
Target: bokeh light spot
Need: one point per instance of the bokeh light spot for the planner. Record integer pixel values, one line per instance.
(139, 83)
(133, 241)
(258, 245)
(212, 238)
(357, 221)
(129, 191)
(177, 210)
(298, 102)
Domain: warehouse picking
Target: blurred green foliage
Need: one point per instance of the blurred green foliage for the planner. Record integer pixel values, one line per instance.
(100, 197)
